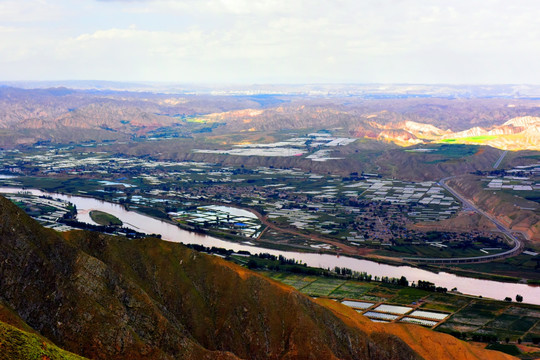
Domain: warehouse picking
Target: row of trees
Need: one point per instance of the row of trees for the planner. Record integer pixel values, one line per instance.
(519, 298)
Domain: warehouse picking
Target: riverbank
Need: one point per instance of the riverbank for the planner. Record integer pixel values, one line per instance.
(170, 232)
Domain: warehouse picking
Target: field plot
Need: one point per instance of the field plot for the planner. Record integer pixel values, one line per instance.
(430, 201)
(457, 327)
(496, 319)
(523, 311)
(534, 333)
(322, 287)
(480, 139)
(352, 290)
(409, 295)
(442, 302)
(507, 325)
(505, 321)
(422, 322)
(296, 281)
(393, 309)
(382, 316)
(382, 292)
(298, 146)
(474, 314)
(445, 312)
(45, 210)
(358, 304)
(429, 315)
(222, 217)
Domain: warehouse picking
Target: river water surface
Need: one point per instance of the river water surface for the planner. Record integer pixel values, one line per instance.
(170, 232)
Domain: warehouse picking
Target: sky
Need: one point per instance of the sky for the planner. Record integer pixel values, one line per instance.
(272, 41)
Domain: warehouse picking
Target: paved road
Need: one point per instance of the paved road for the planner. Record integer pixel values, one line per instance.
(498, 162)
(467, 205)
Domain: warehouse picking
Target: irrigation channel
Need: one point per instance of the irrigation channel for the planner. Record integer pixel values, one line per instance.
(169, 232)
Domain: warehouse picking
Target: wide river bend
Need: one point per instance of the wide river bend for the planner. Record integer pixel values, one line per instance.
(170, 232)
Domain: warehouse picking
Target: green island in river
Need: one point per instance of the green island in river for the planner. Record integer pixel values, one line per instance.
(105, 219)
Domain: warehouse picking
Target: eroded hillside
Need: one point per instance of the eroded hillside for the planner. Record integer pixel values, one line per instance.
(62, 115)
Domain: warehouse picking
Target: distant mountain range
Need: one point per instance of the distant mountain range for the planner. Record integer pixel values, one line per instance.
(28, 116)
(369, 91)
(520, 133)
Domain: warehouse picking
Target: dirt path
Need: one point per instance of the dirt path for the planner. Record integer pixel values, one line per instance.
(342, 248)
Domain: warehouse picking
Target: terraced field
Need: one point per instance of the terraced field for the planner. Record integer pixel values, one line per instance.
(459, 315)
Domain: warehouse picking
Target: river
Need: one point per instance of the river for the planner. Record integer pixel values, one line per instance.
(170, 232)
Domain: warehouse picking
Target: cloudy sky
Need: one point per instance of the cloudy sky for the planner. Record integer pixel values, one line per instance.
(272, 41)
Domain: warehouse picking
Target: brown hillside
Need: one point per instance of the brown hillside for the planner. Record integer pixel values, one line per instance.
(425, 342)
(435, 166)
(504, 206)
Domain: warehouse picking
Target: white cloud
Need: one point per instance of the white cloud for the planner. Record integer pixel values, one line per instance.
(29, 11)
(279, 40)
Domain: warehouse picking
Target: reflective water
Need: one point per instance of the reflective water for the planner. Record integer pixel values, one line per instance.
(170, 232)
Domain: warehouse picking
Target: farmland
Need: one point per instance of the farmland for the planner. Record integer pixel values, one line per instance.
(45, 210)
(467, 317)
(480, 139)
(355, 214)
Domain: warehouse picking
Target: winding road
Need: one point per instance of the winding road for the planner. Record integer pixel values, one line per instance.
(468, 205)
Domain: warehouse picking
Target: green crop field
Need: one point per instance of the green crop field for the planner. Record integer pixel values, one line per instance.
(452, 150)
(296, 281)
(409, 295)
(322, 287)
(474, 139)
(351, 290)
(469, 316)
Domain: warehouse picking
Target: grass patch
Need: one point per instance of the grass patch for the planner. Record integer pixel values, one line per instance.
(105, 219)
(19, 344)
(505, 348)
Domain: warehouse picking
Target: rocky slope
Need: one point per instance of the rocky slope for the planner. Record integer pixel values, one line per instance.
(112, 298)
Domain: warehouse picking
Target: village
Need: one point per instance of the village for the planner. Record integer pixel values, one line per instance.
(361, 210)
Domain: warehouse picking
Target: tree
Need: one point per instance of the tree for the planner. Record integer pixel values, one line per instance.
(519, 298)
(403, 281)
(508, 298)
